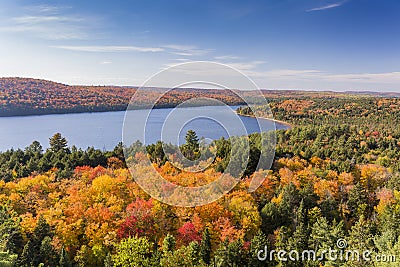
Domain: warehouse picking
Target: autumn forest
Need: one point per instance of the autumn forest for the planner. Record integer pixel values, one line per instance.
(335, 175)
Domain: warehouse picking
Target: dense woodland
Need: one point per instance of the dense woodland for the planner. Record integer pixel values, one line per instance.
(335, 175)
(23, 96)
(26, 96)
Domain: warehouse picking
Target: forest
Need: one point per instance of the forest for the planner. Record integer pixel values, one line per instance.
(25, 96)
(335, 175)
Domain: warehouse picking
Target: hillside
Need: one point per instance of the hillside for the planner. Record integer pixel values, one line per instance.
(25, 96)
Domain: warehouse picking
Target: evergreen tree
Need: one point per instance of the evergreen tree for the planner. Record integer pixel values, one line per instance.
(271, 218)
(65, 260)
(230, 254)
(361, 239)
(324, 236)
(205, 246)
(357, 200)
(191, 149)
(260, 243)
(58, 143)
(48, 257)
(26, 258)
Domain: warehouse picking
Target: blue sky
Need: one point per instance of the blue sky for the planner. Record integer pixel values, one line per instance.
(280, 44)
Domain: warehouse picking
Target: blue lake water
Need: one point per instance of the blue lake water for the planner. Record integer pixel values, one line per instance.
(103, 130)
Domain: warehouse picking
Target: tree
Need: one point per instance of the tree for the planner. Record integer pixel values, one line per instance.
(47, 254)
(26, 258)
(58, 143)
(191, 149)
(231, 254)
(11, 240)
(64, 258)
(357, 200)
(188, 233)
(133, 251)
(169, 243)
(185, 256)
(205, 246)
(324, 236)
(39, 249)
(259, 243)
(271, 218)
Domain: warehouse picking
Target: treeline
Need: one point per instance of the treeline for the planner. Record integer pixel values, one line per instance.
(23, 96)
(369, 114)
(59, 157)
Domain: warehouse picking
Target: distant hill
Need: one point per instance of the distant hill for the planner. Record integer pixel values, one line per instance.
(25, 96)
(379, 94)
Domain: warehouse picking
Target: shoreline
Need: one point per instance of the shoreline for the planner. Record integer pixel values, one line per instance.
(274, 120)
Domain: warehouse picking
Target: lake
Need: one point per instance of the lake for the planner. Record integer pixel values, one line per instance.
(103, 130)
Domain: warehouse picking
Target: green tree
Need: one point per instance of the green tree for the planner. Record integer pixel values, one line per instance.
(169, 243)
(362, 239)
(205, 246)
(58, 143)
(134, 252)
(259, 243)
(231, 254)
(191, 149)
(64, 259)
(47, 253)
(324, 236)
(358, 200)
(271, 218)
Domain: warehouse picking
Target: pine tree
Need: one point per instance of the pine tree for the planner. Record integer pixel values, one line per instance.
(26, 258)
(205, 246)
(191, 148)
(57, 143)
(65, 260)
(260, 243)
(47, 254)
(42, 230)
(357, 200)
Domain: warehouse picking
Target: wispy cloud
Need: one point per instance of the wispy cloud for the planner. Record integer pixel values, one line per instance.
(109, 49)
(329, 6)
(186, 50)
(325, 77)
(46, 8)
(245, 66)
(48, 22)
(226, 57)
(105, 62)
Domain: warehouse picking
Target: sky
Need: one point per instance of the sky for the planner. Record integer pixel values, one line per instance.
(280, 44)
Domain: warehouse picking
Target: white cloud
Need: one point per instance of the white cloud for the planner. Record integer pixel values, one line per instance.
(226, 57)
(48, 22)
(29, 20)
(300, 77)
(186, 50)
(46, 8)
(109, 49)
(326, 7)
(243, 66)
(105, 62)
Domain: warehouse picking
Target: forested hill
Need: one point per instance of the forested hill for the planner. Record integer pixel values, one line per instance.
(25, 96)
